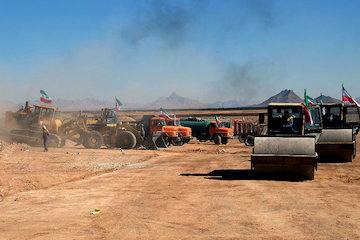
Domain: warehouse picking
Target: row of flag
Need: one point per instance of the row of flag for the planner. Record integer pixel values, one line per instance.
(346, 98)
(308, 103)
(45, 98)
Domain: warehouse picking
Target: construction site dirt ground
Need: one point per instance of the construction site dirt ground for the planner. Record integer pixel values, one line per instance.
(199, 191)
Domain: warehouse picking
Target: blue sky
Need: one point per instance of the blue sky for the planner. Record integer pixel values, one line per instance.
(208, 50)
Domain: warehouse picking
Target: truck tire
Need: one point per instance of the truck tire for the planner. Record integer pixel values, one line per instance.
(249, 140)
(93, 140)
(242, 137)
(163, 141)
(125, 140)
(176, 142)
(224, 140)
(217, 139)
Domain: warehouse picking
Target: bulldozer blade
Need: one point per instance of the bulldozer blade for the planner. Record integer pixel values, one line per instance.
(150, 142)
(155, 141)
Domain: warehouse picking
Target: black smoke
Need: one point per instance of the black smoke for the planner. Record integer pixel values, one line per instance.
(161, 19)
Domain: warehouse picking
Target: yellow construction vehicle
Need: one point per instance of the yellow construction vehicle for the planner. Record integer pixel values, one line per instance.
(24, 125)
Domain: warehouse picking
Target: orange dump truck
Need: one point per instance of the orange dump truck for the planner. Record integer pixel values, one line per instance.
(173, 133)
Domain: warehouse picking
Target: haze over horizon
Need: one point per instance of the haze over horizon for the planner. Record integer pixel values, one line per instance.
(206, 50)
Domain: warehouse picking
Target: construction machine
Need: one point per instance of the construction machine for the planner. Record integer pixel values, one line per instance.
(24, 125)
(171, 130)
(285, 147)
(246, 131)
(337, 141)
(184, 133)
(107, 130)
(205, 130)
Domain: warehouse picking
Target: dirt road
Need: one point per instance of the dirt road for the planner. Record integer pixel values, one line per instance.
(198, 191)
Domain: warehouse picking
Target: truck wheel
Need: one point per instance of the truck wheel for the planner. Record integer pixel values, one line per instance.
(125, 140)
(217, 139)
(249, 140)
(242, 138)
(224, 141)
(163, 141)
(93, 140)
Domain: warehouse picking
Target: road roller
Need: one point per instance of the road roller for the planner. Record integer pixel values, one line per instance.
(337, 141)
(285, 147)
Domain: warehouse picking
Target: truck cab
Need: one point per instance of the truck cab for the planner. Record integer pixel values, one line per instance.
(185, 132)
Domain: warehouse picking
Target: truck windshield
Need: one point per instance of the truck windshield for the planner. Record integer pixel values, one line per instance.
(160, 122)
(331, 116)
(285, 120)
(352, 114)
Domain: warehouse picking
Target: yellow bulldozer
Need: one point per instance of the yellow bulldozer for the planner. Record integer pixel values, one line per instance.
(107, 130)
(24, 125)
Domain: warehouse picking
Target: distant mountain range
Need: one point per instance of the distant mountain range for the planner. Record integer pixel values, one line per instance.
(287, 96)
(327, 99)
(173, 101)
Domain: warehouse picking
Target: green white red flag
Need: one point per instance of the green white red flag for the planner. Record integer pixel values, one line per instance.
(347, 98)
(45, 97)
(118, 104)
(308, 117)
(309, 101)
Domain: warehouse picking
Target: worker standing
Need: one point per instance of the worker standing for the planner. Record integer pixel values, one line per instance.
(46, 134)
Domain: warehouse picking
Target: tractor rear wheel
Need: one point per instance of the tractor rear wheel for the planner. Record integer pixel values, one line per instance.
(93, 140)
(217, 139)
(125, 140)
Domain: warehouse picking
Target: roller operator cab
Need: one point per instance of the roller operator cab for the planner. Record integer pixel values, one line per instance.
(285, 147)
(337, 142)
(339, 115)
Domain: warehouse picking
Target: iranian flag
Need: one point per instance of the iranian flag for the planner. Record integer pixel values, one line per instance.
(309, 102)
(45, 97)
(308, 117)
(118, 104)
(347, 98)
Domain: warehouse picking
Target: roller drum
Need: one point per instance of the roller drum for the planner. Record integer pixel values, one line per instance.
(284, 145)
(336, 135)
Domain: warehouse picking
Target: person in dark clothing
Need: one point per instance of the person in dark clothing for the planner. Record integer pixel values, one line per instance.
(46, 134)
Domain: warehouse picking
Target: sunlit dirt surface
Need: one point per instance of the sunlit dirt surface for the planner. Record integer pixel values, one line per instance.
(197, 191)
